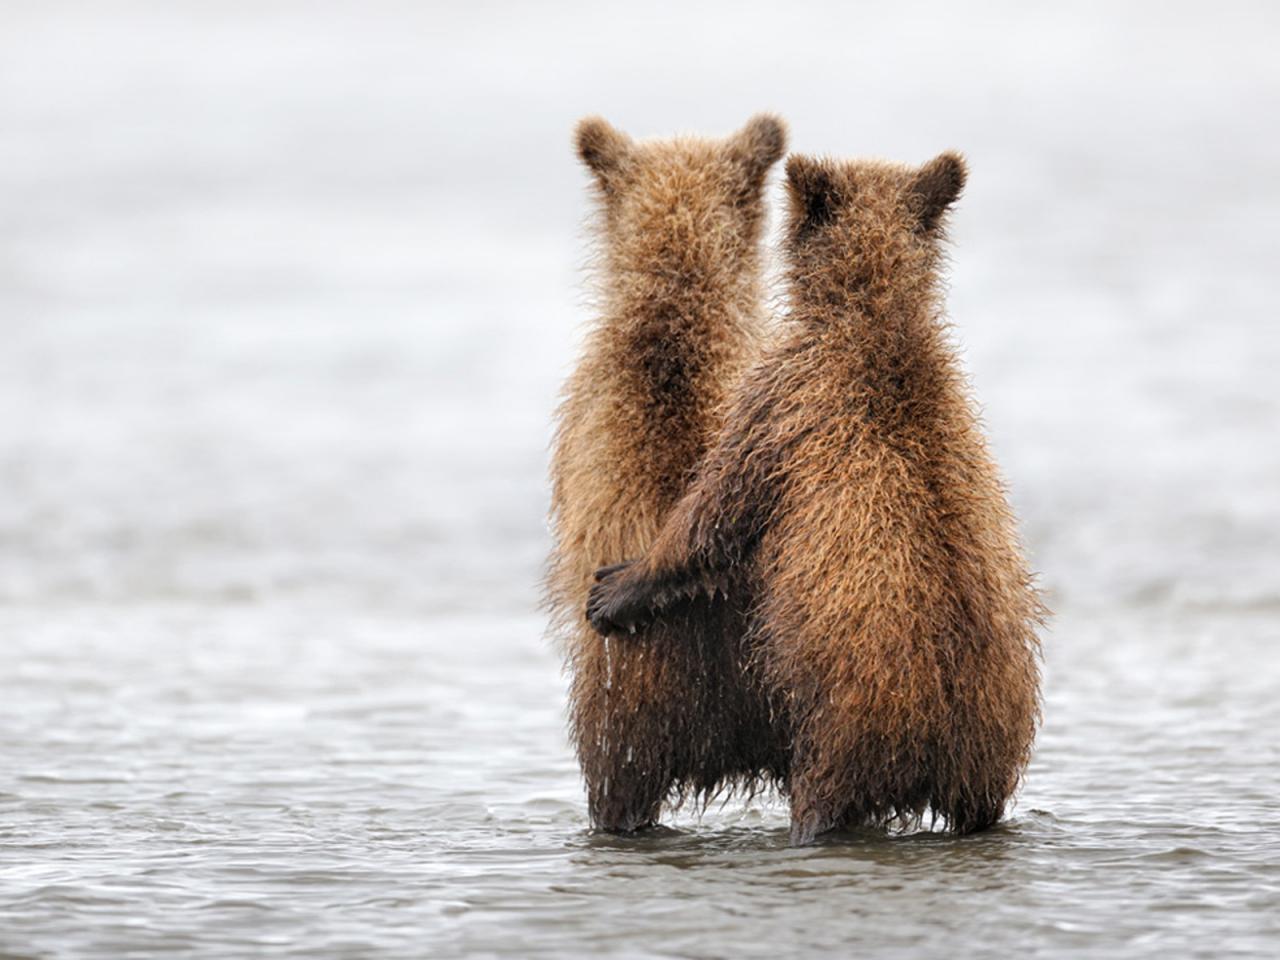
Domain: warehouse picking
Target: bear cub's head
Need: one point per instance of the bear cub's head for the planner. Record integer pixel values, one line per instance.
(877, 224)
(685, 207)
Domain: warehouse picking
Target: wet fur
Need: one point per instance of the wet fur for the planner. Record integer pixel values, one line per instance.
(851, 505)
(679, 286)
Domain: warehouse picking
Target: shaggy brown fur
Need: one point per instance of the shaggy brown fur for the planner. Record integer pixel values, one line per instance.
(851, 504)
(680, 322)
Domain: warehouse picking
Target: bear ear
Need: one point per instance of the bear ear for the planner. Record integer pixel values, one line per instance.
(758, 146)
(605, 150)
(815, 198)
(936, 186)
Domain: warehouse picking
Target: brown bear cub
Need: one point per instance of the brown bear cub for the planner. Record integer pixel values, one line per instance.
(680, 302)
(850, 504)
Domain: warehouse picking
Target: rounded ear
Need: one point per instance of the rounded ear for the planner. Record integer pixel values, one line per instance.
(936, 186)
(814, 195)
(759, 145)
(603, 149)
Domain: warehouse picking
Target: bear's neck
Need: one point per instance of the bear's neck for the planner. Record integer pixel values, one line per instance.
(673, 347)
(656, 302)
(886, 340)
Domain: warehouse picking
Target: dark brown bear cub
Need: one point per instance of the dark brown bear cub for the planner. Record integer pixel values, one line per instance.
(680, 321)
(851, 505)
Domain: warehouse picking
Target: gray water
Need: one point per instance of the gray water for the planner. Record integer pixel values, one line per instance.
(286, 292)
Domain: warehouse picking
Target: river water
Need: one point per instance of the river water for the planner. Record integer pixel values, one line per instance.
(286, 293)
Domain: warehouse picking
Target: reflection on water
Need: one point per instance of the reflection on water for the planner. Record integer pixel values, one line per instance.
(283, 329)
(249, 778)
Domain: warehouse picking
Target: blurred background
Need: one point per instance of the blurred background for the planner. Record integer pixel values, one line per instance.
(286, 293)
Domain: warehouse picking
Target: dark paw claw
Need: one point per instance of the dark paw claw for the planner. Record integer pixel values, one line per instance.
(613, 568)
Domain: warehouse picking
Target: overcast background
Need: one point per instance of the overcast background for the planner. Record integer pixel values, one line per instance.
(287, 292)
